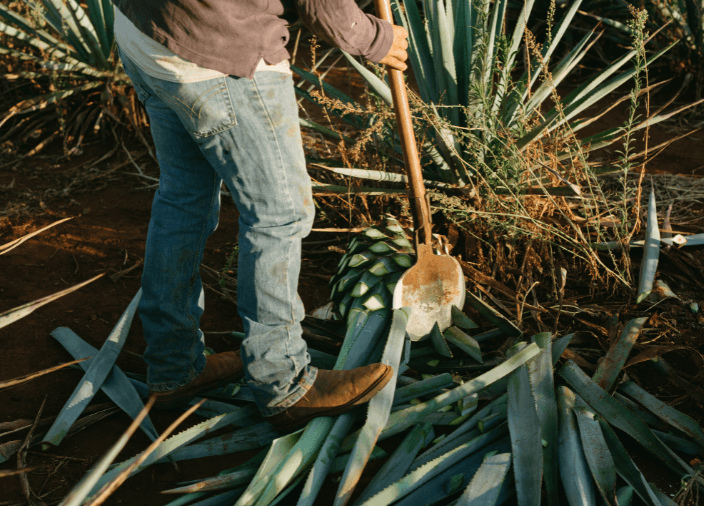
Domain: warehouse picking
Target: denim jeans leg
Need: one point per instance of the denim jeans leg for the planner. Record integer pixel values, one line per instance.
(262, 162)
(245, 132)
(184, 213)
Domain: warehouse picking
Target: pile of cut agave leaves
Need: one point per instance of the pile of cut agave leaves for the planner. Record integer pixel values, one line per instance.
(517, 429)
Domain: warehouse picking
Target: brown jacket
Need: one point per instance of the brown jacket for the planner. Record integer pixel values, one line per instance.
(231, 36)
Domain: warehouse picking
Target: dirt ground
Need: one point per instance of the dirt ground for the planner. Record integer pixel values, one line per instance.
(106, 235)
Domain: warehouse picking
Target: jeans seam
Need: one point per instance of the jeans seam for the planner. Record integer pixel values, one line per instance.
(291, 206)
(195, 269)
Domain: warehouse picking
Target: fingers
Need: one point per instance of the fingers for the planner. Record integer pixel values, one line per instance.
(400, 35)
(397, 54)
(394, 63)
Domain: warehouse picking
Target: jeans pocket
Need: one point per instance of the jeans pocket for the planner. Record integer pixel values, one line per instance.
(204, 107)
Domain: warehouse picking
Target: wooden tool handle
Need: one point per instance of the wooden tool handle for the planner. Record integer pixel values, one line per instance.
(419, 203)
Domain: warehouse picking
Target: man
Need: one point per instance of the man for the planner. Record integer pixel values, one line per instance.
(215, 81)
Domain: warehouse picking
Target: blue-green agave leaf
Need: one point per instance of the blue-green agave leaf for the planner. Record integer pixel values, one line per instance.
(98, 370)
(574, 470)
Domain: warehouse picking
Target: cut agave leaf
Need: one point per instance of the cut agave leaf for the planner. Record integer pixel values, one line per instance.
(277, 453)
(524, 428)
(642, 413)
(224, 482)
(383, 266)
(486, 485)
(651, 251)
(4, 248)
(341, 461)
(424, 387)
(375, 234)
(323, 463)
(459, 449)
(355, 246)
(349, 279)
(378, 298)
(493, 420)
(439, 342)
(400, 461)
(242, 417)
(464, 342)
(98, 370)
(610, 366)
(402, 420)
(540, 370)
(224, 499)
(468, 405)
(619, 416)
(20, 312)
(404, 244)
(679, 444)
(367, 332)
(489, 334)
(477, 439)
(664, 500)
(378, 409)
(493, 316)
(624, 496)
(458, 477)
(344, 304)
(597, 453)
(356, 308)
(360, 259)
(403, 260)
(366, 282)
(666, 413)
(559, 347)
(461, 320)
(81, 490)
(467, 428)
(574, 469)
(412, 489)
(246, 438)
(390, 280)
(625, 467)
(116, 386)
(383, 247)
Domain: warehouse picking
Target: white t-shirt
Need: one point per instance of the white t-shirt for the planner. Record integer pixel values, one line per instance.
(160, 62)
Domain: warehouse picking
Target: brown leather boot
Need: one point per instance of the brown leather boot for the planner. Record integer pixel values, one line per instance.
(220, 369)
(333, 393)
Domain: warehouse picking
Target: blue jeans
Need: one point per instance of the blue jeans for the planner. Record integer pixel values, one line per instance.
(244, 132)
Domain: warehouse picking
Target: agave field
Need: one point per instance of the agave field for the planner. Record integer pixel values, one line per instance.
(547, 129)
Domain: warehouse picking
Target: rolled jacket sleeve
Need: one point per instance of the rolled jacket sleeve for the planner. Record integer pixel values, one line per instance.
(343, 24)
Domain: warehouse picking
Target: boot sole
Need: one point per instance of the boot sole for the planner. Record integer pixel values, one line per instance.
(366, 396)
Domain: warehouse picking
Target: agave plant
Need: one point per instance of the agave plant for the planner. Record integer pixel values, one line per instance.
(69, 51)
(475, 116)
(369, 271)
